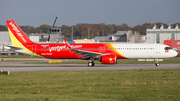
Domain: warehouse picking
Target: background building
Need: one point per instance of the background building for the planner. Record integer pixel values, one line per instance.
(158, 35)
(4, 41)
(122, 36)
(34, 37)
(55, 36)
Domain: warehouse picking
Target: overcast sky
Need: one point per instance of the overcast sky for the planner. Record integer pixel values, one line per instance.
(72, 12)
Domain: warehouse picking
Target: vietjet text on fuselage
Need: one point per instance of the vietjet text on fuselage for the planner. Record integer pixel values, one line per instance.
(107, 53)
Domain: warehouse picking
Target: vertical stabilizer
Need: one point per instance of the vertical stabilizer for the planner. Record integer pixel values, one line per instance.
(20, 40)
(18, 37)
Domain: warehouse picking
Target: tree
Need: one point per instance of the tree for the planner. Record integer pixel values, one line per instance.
(122, 28)
(3, 28)
(110, 28)
(124, 25)
(95, 29)
(28, 29)
(44, 28)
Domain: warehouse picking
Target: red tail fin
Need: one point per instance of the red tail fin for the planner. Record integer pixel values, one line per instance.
(16, 34)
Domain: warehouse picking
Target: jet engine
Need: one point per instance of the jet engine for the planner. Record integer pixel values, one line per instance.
(108, 59)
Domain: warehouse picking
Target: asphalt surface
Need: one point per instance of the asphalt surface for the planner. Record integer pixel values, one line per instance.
(19, 66)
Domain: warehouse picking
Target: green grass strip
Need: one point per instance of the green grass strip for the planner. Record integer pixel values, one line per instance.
(122, 85)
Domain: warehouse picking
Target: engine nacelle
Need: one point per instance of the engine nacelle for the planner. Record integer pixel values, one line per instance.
(108, 59)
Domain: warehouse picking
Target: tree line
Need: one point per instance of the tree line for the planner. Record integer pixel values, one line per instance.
(81, 30)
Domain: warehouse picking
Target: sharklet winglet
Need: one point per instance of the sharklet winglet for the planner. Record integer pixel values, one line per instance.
(68, 44)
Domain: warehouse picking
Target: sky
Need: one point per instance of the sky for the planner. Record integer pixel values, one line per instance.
(72, 12)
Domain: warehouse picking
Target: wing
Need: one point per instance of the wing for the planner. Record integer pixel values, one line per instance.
(85, 54)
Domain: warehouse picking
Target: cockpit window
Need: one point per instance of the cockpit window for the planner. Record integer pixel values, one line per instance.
(167, 48)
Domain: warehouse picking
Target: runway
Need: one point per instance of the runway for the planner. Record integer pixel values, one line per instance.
(21, 67)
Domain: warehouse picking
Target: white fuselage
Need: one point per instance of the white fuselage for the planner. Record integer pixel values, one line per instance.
(145, 50)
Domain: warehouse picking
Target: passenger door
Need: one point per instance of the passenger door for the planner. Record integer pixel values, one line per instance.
(157, 49)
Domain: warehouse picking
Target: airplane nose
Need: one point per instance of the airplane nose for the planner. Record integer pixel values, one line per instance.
(175, 53)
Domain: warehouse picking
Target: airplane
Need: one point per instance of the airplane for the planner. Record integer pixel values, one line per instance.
(107, 53)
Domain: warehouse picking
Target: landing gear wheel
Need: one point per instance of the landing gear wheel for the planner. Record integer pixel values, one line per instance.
(90, 64)
(157, 64)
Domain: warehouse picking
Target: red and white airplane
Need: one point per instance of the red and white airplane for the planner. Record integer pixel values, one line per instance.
(107, 53)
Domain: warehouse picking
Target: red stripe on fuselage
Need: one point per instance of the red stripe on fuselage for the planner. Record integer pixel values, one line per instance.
(58, 51)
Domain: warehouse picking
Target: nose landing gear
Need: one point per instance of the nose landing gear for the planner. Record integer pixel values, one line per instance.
(157, 64)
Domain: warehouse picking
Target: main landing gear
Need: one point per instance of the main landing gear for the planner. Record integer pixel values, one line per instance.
(91, 63)
(157, 64)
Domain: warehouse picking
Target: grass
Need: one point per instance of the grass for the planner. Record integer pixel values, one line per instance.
(148, 85)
